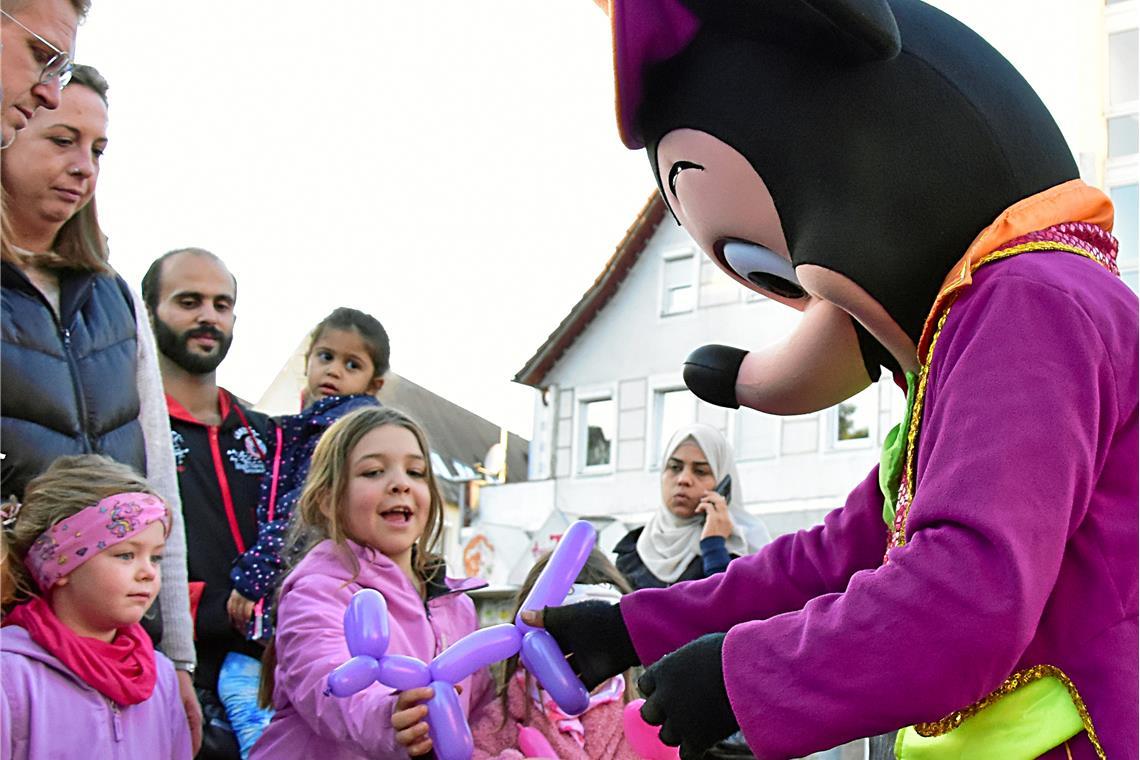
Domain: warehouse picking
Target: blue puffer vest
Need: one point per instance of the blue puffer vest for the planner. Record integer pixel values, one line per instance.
(67, 386)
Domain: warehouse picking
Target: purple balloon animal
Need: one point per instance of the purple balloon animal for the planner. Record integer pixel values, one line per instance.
(367, 634)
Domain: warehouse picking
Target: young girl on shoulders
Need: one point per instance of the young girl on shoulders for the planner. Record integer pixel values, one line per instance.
(344, 367)
(596, 734)
(376, 516)
(81, 677)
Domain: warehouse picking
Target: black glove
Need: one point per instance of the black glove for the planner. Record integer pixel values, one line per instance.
(594, 639)
(685, 695)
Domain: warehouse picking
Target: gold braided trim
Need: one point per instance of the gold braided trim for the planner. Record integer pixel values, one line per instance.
(1008, 686)
(924, 370)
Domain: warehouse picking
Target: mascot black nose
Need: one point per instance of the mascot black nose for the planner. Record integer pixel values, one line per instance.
(710, 372)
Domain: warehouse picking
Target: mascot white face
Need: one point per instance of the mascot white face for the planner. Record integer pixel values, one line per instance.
(837, 156)
(724, 205)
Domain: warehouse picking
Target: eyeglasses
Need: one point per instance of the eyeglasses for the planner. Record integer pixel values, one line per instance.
(59, 66)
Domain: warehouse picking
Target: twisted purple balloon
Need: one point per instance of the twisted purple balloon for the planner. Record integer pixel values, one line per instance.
(367, 635)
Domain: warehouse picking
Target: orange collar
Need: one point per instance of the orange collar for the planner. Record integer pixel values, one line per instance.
(1072, 201)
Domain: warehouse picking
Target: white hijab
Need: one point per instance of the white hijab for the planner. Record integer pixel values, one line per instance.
(669, 543)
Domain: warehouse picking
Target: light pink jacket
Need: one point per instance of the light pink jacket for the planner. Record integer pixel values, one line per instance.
(310, 644)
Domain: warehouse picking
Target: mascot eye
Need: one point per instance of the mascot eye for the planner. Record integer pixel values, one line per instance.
(676, 169)
(763, 267)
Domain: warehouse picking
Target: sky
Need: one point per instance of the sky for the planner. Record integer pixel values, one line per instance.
(452, 168)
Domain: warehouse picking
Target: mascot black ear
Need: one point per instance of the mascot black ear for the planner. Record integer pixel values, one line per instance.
(648, 32)
(850, 31)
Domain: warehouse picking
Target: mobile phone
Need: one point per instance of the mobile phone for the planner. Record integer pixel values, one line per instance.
(724, 488)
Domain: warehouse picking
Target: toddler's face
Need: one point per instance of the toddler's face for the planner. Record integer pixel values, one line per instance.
(388, 494)
(339, 364)
(114, 588)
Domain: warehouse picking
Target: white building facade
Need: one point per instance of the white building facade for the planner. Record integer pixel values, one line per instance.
(612, 394)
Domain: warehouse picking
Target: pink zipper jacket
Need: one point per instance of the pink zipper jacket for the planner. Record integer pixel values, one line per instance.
(310, 644)
(47, 711)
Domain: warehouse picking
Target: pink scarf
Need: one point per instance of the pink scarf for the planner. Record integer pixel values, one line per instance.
(122, 670)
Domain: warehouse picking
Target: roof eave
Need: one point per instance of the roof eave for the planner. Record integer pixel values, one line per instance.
(626, 254)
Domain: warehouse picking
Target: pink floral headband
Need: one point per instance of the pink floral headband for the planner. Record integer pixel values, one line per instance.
(74, 540)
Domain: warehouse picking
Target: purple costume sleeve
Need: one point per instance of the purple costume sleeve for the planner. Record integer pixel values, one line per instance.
(1020, 408)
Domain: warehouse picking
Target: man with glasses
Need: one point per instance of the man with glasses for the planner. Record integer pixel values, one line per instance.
(37, 35)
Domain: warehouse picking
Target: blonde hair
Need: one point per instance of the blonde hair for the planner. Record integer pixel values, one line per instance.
(69, 485)
(322, 508)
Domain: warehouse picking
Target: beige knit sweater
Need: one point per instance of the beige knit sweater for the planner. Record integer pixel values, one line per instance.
(177, 627)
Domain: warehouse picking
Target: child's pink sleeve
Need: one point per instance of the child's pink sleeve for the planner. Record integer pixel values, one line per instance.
(5, 727)
(310, 644)
(180, 743)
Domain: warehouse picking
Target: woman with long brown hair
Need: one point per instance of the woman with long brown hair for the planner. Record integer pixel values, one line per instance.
(78, 362)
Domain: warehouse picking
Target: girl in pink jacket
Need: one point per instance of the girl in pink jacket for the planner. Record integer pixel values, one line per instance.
(81, 677)
(371, 502)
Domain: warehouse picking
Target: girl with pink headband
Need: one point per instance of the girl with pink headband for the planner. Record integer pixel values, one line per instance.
(82, 553)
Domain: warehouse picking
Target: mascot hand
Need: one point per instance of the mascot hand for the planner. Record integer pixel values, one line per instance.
(594, 639)
(710, 372)
(685, 695)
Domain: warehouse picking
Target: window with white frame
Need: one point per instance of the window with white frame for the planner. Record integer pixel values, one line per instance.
(1123, 135)
(853, 422)
(1122, 122)
(757, 435)
(678, 286)
(1122, 60)
(716, 287)
(673, 408)
(1123, 94)
(1126, 200)
(597, 432)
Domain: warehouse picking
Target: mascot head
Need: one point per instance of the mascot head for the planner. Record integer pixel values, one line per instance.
(838, 156)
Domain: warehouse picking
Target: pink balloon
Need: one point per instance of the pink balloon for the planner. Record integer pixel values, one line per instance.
(366, 624)
(642, 737)
(447, 726)
(474, 651)
(559, 575)
(355, 675)
(534, 744)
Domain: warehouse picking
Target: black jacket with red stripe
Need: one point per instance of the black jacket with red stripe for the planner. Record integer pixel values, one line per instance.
(220, 468)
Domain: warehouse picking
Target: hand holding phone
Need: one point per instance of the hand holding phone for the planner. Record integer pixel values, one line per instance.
(714, 512)
(724, 488)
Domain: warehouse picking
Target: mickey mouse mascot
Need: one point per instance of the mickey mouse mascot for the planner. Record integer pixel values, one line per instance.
(877, 166)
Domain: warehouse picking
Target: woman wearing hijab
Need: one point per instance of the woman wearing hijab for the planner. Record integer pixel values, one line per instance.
(695, 531)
